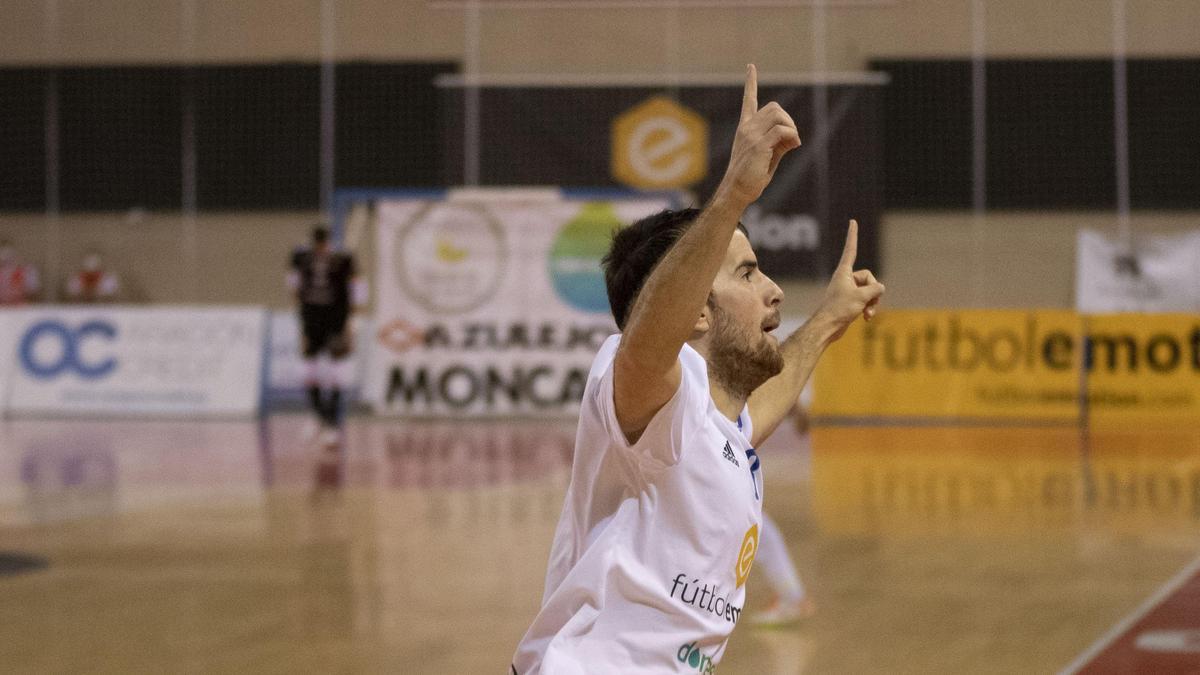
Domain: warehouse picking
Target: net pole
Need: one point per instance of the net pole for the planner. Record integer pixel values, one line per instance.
(188, 220)
(52, 140)
(820, 112)
(328, 105)
(674, 40)
(471, 102)
(1121, 125)
(978, 145)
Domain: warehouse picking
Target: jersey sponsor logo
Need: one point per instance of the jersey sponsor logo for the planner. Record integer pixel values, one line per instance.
(727, 453)
(690, 655)
(745, 559)
(704, 597)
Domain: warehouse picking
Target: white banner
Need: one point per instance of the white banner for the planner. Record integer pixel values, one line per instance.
(12, 323)
(190, 361)
(491, 304)
(1161, 274)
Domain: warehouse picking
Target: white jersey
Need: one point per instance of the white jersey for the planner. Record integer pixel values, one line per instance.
(648, 567)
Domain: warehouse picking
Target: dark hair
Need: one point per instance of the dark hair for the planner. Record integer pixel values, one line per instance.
(320, 234)
(634, 252)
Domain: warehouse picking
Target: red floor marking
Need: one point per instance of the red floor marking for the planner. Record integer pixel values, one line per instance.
(1162, 637)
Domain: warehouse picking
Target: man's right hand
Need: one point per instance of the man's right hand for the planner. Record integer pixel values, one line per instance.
(763, 137)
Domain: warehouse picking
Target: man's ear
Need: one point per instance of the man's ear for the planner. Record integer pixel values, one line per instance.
(703, 322)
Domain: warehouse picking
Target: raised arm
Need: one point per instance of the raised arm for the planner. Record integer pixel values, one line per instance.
(646, 366)
(848, 295)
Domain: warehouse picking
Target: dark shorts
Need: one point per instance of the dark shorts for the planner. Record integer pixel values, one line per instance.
(325, 331)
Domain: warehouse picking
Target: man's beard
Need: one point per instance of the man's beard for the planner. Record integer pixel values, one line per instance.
(736, 361)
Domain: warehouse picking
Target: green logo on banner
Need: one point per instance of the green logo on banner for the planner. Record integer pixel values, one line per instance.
(575, 257)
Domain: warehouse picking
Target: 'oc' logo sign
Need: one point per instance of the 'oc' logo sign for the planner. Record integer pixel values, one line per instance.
(51, 348)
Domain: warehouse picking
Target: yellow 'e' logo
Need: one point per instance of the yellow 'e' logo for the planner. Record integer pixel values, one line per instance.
(659, 144)
(745, 559)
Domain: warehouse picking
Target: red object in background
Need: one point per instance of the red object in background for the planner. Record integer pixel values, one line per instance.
(17, 284)
(1164, 640)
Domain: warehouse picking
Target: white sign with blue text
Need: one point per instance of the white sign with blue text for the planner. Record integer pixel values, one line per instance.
(159, 361)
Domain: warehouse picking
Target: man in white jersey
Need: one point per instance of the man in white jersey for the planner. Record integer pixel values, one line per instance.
(661, 520)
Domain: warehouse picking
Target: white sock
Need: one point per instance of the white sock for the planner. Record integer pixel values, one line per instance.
(776, 563)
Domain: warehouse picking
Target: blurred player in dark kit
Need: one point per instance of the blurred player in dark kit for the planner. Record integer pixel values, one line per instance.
(328, 291)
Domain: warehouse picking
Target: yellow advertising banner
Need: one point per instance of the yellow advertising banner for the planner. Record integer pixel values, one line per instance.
(1143, 368)
(1044, 365)
(960, 364)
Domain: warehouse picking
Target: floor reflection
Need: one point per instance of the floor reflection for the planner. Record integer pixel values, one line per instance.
(418, 546)
(989, 481)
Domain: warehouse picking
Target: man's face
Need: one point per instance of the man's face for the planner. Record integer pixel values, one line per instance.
(744, 309)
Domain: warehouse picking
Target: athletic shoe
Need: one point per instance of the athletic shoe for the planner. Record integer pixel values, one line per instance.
(784, 612)
(331, 437)
(309, 430)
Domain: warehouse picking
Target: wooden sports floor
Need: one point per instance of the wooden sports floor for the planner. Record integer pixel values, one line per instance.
(237, 547)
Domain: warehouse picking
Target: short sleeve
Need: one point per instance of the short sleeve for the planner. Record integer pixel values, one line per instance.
(662, 443)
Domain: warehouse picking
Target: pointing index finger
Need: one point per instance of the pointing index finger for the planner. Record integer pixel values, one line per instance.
(850, 252)
(750, 94)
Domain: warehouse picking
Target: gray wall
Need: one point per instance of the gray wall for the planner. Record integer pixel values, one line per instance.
(583, 41)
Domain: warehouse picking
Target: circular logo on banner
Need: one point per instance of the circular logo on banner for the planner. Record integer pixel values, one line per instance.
(575, 257)
(451, 257)
(659, 144)
(746, 553)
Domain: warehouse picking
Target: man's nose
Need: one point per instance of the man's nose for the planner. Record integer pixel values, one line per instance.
(775, 296)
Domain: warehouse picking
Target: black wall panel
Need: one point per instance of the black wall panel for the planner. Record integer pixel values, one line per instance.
(23, 139)
(120, 138)
(1050, 134)
(387, 124)
(257, 136)
(256, 130)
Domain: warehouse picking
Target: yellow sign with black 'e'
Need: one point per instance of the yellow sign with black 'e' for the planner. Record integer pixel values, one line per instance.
(1142, 368)
(968, 364)
(1045, 365)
